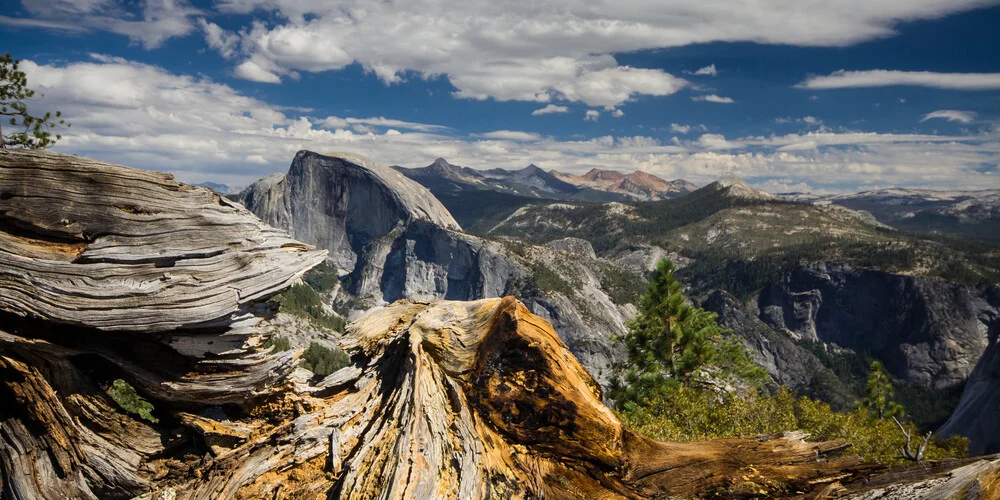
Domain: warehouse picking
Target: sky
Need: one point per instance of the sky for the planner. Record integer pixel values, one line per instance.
(791, 95)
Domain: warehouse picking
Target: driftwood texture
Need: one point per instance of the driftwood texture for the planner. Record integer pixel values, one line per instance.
(443, 400)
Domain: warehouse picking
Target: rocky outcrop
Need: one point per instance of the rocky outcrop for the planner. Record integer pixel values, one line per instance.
(928, 332)
(425, 258)
(975, 416)
(786, 362)
(342, 203)
(574, 245)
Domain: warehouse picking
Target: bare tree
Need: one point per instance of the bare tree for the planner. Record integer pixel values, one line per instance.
(907, 452)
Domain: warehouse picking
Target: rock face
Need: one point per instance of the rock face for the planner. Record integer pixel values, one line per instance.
(343, 203)
(976, 414)
(426, 258)
(786, 362)
(928, 332)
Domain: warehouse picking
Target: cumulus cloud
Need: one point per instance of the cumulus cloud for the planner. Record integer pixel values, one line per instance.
(541, 51)
(592, 115)
(219, 39)
(951, 115)
(680, 129)
(200, 130)
(549, 109)
(713, 98)
(706, 71)
(617, 113)
(249, 70)
(886, 78)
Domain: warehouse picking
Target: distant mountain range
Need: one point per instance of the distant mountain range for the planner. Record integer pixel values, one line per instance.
(969, 214)
(638, 185)
(534, 182)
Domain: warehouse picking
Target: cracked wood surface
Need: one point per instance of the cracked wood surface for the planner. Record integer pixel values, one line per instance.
(83, 241)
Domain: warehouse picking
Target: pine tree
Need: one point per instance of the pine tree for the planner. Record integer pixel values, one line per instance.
(14, 95)
(670, 341)
(879, 392)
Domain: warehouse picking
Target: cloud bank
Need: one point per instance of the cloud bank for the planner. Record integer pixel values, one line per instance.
(144, 116)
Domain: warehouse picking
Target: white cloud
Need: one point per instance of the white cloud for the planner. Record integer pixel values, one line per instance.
(512, 135)
(144, 116)
(219, 39)
(249, 70)
(706, 71)
(617, 113)
(807, 120)
(543, 51)
(549, 109)
(149, 22)
(713, 98)
(592, 115)
(951, 115)
(716, 141)
(680, 129)
(334, 122)
(885, 78)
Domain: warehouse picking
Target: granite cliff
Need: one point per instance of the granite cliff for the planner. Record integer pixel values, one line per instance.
(389, 246)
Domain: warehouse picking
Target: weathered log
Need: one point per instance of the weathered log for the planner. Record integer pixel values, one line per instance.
(83, 241)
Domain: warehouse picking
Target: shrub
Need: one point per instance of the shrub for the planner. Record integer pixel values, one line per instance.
(688, 413)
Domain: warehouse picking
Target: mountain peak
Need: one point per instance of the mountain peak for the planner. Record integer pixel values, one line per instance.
(731, 179)
(733, 186)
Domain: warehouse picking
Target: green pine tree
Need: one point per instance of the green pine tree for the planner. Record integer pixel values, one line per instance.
(878, 394)
(31, 132)
(670, 342)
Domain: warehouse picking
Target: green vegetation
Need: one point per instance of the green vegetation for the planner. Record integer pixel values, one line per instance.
(34, 132)
(129, 400)
(688, 413)
(303, 301)
(668, 388)
(322, 278)
(672, 344)
(622, 287)
(927, 407)
(878, 394)
(322, 360)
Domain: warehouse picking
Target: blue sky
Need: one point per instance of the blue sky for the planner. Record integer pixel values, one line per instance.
(792, 95)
